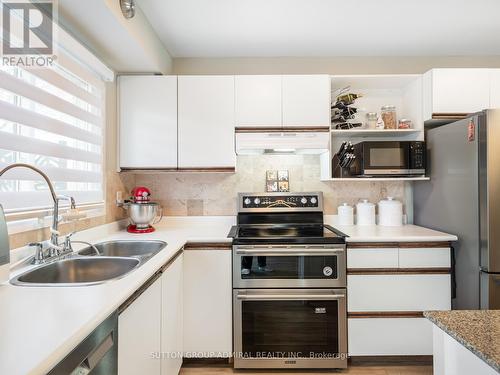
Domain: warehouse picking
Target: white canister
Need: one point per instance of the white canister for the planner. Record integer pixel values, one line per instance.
(365, 213)
(390, 212)
(345, 214)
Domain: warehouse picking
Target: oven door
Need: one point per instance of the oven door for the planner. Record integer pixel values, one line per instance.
(386, 158)
(290, 328)
(289, 266)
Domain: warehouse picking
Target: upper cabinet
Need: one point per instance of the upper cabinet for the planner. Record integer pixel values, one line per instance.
(258, 100)
(275, 100)
(495, 88)
(455, 92)
(206, 122)
(148, 121)
(306, 100)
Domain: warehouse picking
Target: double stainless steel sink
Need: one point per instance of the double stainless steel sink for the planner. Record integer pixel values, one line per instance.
(85, 267)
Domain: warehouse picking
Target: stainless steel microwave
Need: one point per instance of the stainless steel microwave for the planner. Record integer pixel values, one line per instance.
(389, 158)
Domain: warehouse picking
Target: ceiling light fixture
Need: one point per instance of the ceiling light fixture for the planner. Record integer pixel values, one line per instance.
(128, 8)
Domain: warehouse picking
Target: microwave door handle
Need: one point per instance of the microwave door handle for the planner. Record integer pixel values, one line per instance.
(290, 297)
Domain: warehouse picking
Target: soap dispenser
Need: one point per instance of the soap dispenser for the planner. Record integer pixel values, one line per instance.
(4, 248)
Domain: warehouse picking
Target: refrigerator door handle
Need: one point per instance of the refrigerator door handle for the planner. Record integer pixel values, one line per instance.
(453, 274)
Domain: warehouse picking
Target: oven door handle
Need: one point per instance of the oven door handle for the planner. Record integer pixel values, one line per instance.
(290, 296)
(289, 252)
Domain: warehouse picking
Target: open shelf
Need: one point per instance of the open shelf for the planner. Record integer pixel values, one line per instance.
(374, 179)
(373, 132)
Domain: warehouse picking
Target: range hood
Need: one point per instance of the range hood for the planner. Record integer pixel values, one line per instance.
(282, 140)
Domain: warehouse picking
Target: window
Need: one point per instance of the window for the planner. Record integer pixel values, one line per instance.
(51, 118)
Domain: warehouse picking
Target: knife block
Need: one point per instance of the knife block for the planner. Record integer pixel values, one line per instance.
(338, 171)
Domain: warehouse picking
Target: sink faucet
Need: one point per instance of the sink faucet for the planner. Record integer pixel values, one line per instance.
(54, 248)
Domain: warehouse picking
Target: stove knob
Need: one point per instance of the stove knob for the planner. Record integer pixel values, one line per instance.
(256, 201)
(303, 200)
(247, 201)
(314, 200)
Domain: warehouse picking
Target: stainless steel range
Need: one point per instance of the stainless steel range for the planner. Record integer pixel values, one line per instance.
(289, 284)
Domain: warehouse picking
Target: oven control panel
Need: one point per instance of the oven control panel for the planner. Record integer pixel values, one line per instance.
(269, 202)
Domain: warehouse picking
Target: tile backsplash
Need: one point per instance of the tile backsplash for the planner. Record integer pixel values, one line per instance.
(196, 194)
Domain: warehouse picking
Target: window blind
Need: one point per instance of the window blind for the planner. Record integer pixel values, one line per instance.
(52, 118)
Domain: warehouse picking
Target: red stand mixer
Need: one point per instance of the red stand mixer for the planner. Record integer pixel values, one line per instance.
(143, 213)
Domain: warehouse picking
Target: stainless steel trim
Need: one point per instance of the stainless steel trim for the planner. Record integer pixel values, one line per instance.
(489, 197)
(288, 252)
(240, 361)
(393, 171)
(294, 251)
(287, 297)
(319, 194)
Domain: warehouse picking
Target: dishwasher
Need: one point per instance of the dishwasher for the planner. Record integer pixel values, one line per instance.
(97, 354)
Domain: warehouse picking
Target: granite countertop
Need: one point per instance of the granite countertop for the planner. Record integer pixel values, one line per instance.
(477, 330)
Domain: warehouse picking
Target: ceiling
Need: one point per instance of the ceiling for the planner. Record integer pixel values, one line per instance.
(265, 28)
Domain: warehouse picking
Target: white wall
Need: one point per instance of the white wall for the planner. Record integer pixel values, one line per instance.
(329, 65)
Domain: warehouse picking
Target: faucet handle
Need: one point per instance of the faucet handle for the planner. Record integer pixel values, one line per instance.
(67, 242)
(39, 256)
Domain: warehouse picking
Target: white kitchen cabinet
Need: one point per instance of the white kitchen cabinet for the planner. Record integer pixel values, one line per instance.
(452, 358)
(306, 100)
(399, 292)
(258, 100)
(139, 334)
(171, 318)
(372, 257)
(389, 336)
(206, 122)
(147, 121)
(494, 88)
(207, 303)
(432, 257)
(448, 91)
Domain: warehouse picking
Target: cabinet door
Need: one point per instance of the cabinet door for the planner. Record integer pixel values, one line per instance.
(430, 257)
(306, 100)
(456, 91)
(139, 328)
(207, 302)
(258, 100)
(206, 122)
(389, 336)
(494, 88)
(171, 317)
(148, 121)
(372, 257)
(398, 292)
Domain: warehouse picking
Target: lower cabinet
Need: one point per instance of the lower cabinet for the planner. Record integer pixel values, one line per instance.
(171, 318)
(150, 328)
(207, 303)
(399, 292)
(139, 334)
(452, 358)
(389, 336)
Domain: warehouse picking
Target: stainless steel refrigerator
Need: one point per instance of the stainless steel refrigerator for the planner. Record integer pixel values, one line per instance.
(463, 198)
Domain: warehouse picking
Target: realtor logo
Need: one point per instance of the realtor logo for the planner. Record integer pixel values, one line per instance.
(28, 33)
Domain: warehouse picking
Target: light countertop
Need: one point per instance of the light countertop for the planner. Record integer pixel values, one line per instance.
(404, 233)
(39, 326)
(478, 331)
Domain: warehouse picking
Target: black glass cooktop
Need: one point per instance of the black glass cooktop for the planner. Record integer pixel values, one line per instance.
(286, 233)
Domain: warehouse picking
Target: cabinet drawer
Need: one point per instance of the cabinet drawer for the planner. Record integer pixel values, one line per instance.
(428, 257)
(372, 258)
(397, 292)
(389, 336)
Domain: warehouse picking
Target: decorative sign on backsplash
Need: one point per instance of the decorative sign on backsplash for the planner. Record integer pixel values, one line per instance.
(277, 181)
